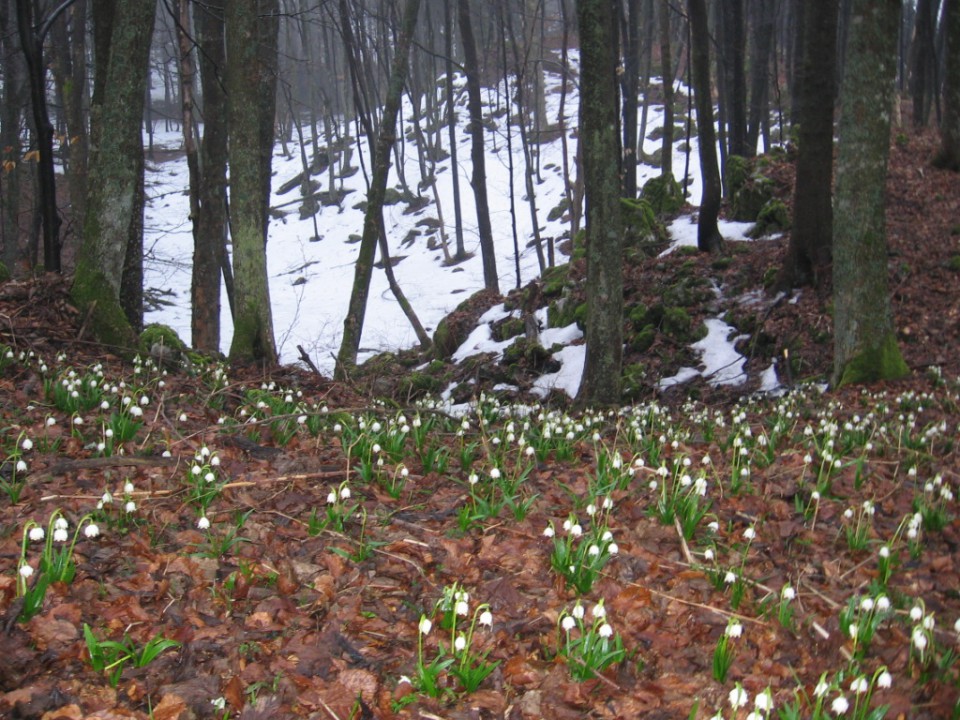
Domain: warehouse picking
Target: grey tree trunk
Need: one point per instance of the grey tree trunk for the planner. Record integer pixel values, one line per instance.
(600, 140)
(471, 69)
(865, 345)
(353, 323)
(949, 155)
(210, 224)
(811, 238)
(115, 199)
(12, 171)
(253, 338)
(666, 69)
(708, 234)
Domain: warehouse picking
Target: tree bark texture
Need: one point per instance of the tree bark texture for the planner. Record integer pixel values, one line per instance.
(253, 338)
(708, 234)
(666, 69)
(363, 270)
(600, 140)
(115, 200)
(471, 68)
(949, 155)
(765, 15)
(865, 345)
(811, 238)
(923, 63)
(12, 171)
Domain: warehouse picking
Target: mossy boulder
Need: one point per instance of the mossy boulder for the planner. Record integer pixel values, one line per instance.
(634, 382)
(738, 173)
(529, 354)
(555, 279)
(420, 384)
(664, 195)
(162, 343)
(559, 210)
(642, 229)
(644, 339)
(454, 329)
(773, 218)
(676, 323)
(508, 328)
(750, 198)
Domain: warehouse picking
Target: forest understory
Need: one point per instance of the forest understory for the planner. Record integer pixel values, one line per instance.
(280, 545)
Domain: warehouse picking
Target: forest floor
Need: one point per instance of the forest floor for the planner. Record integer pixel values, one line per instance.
(758, 547)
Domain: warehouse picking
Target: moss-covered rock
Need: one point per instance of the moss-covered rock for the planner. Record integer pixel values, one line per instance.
(643, 340)
(454, 329)
(634, 383)
(508, 328)
(664, 195)
(529, 354)
(773, 218)
(638, 315)
(157, 335)
(559, 210)
(676, 323)
(750, 198)
(738, 172)
(555, 279)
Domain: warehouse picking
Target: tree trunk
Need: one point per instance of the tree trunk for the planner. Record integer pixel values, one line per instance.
(253, 338)
(114, 201)
(949, 155)
(461, 253)
(865, 345)
(471, 69)
(734, 42)
(764, 19)
(210, 223)
(630, 89)
(666, 69)
(353, 323)
(12, 171)
(922, 61)
(811, 239)
(708, 234)
(600, 140)
(32, 29)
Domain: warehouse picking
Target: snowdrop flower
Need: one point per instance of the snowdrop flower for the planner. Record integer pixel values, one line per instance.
(738, 697)
(128, 487)
(613, 548)
(36, 534)
(708, 554)
(729, 578)
(607, 503)
(839, 706)
(461, 608)
(331, 498)
(884, 680)
(599, 611)
(568, 623)
(750, 533)
(853, 630)
(919, 639)
(486, 618)
(60, 524)
(713, 526)
(91, 531)
(21, 466)
(183, 417)
(607, 536)
(60, 535)
(106, 498)
(605, 630)
(344, 493)
(859, 685)
(789, 593)
(928, 622)
(25, 571)
(27, 444)
(867, 604)
(916, 613)
(473, 478)
(593, 550)
(460, 643)
(577, 611)
(821, 689)
(576, 530)
(215, 461)
(548, 531)
(425, 626)
(203, 523)
(956, 626)
(734, 630)
(591, 509)
(130, 507)
(209, 477)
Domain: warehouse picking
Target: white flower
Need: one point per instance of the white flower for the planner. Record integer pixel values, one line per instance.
(764, 701)
(729, 578)
(591, 509)
(956, 626)
(130, 507)
(27, 444)
(883, 603)
(215, 461)
(548, 531)
(593, 550)
(568, 623)
(128, 487)
(839, 706)
(60, 535)
(885, 552)
(919, 639)
(859, 685)
(788, 593)
(209, 477)
(473, 478)
(916, 613)
(425, 626)
(821, 689)
(605, 630)
(613, 548)
(461, 608)
(714, 526)
(331, 498)
(91, 531)
(60, 523)
(106, 498)
(183, 417)
(576, 530)
(853, 630)
(460, 643)
(220, 703)
(750, 533)
(599, 611)
(25, 571)
(344, 493)
(738, 697)
(21, 466)
(884, 680)
(36, 534)
(494, 474)
(928, 622)
(867, 604)
(734, 630)
(577, 611)
(203, 523)
(486, 618)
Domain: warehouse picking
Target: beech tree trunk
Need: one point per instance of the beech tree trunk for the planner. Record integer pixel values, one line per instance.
(811, 238)
(478, 152)
(600, 141)
(708, 234)
(115, 194)
(353, 323)
(865, 345)
(253, 338)
(949, 155)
